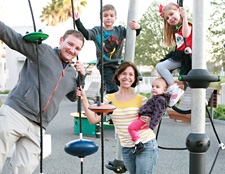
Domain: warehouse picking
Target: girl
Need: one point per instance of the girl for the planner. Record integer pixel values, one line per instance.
(177, 29)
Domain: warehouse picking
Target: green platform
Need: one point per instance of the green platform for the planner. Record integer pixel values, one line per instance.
(87, 128)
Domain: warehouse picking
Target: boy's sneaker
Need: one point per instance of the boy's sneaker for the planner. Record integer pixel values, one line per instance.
(138, 148)
(175, 93)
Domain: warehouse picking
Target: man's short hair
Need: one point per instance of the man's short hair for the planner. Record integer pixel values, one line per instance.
(76, 33)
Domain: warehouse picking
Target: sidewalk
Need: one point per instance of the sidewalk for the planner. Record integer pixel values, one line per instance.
(172, 134)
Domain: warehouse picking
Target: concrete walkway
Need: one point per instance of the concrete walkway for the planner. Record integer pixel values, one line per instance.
(172, 134)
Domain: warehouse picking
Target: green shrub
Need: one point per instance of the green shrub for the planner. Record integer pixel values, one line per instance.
(219, 113)
(4, 92)
(146, 94)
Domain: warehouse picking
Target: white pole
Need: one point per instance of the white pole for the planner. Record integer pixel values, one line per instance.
(197, 141)
(199, 62)
(131, 34)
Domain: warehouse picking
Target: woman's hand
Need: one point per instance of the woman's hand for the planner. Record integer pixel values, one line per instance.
(145, 119)
(80, 92)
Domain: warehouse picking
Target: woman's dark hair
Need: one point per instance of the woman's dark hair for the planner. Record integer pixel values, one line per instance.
(121, 68)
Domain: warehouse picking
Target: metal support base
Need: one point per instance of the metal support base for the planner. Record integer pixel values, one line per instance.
(197, 144)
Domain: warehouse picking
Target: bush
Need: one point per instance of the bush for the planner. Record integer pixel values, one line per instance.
(146, 94)
(4, 92)
(219, 113)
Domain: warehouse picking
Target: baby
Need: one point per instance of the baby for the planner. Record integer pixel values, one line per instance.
(154, 108)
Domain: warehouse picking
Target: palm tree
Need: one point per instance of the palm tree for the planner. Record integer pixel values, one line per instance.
(59, 11)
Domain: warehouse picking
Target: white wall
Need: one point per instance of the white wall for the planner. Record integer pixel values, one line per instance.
(2, 74)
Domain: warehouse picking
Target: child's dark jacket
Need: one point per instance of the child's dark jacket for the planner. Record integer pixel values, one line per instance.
(154, 108)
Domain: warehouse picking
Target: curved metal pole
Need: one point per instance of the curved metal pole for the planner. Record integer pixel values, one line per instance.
(32, 15)
(180, 3)
(72, 6)
(39, 87)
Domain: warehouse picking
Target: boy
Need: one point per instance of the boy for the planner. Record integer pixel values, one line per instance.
(154, 108)
(113, 39)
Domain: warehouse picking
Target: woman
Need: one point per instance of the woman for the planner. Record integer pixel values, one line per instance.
(127, 104)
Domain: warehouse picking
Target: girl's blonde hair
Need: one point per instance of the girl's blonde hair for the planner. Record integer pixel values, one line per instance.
(169, 30)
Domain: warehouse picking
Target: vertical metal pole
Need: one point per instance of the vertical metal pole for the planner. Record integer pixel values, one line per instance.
(197, 157)
(131, 34)
(102, 86)
(78, 85)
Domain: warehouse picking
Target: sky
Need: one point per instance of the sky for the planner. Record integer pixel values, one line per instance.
(16, 13)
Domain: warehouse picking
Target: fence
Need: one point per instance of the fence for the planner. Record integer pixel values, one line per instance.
(144, 85)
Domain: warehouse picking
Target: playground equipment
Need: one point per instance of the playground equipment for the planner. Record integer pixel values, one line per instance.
(101, 108)
(198, 79)
(37, 37)
(80, 147)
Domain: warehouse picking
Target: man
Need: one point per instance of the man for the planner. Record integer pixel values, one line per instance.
(20, 115)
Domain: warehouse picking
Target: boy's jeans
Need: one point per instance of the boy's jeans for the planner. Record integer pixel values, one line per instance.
(110, 86)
